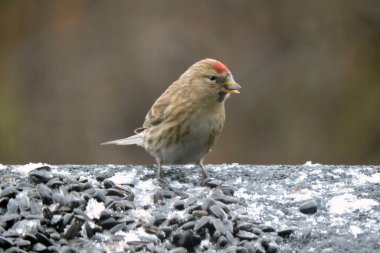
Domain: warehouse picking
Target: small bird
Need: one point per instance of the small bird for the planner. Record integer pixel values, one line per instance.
(183, 124)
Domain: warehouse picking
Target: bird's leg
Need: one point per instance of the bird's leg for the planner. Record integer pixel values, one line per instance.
(205, 176)
(164, 183)
(160, 173)
(206, 180)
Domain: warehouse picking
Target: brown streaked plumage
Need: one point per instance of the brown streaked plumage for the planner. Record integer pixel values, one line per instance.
(183, 124)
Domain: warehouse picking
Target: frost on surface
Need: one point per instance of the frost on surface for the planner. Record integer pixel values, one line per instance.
(355, 230)
(136, 235)
(311, 164)
(143, 192)
(26, 226)
(94, 208)
(23, 200)
(346, 198)
(348, 203)
(30, 166)
(126, 177)
(129, 236)
(364, 179)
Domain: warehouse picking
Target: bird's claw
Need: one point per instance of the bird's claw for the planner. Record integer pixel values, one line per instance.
(163, 182)
(207, 181)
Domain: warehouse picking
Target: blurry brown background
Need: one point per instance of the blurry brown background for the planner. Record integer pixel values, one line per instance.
(74, 74)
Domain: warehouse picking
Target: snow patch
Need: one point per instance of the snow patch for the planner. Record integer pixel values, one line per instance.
(29, 167)
(189, 166)
(205, 244)
(94, 208)
(2, 167)
(364, 179)
(302, 195)
(311, 164)
(355, 230)
(339, 171)
(136, 235)
(143, 191)
(124, 177)
(26, 226)
(224, 166)
(243, 193)
(129, 237)
(254, 210)
(179, 185)
(238, 181)
(301, 178)
(141, 214)
(348, 203)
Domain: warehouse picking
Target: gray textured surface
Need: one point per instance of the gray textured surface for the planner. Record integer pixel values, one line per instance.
(348, 198)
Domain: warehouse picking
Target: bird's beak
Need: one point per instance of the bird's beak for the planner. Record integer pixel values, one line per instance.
(231, 87)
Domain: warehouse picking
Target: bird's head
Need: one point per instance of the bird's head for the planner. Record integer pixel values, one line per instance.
(210, 78)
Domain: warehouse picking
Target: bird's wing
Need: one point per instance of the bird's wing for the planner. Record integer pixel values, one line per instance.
(159, 110)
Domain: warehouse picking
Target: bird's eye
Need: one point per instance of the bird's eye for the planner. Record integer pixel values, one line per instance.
(212, 78)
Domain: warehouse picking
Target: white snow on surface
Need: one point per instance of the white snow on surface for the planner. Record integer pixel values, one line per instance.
(189, 166)
(339, 171)
(311, 164)
(302, 195)
(142, 214)
(136, 235)
(29, 167)
(22, 197)
(2, 167)
(223, 167)
(94, 208)
(126, 177)
(205, 244)
(364, 179)
(355, 230)
(348, 203)
(179, 185)
(129, 237)
(301, 178)
(26, 226)
(255, 210)
(316, 171)
(243, 193)
(143, 191)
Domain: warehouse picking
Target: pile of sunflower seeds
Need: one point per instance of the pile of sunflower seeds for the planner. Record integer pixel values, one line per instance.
(52, 212)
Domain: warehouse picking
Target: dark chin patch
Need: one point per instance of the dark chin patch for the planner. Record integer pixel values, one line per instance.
(221, 96)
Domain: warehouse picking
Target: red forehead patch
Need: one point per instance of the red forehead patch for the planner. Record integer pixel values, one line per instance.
(220, 67)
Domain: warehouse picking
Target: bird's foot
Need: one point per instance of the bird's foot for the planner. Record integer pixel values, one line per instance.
(207, 181)
(163, 182)
(178, 192)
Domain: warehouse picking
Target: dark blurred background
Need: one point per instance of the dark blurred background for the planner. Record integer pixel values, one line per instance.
(74, 74)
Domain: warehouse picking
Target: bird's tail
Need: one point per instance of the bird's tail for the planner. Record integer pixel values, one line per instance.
(137, 139)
